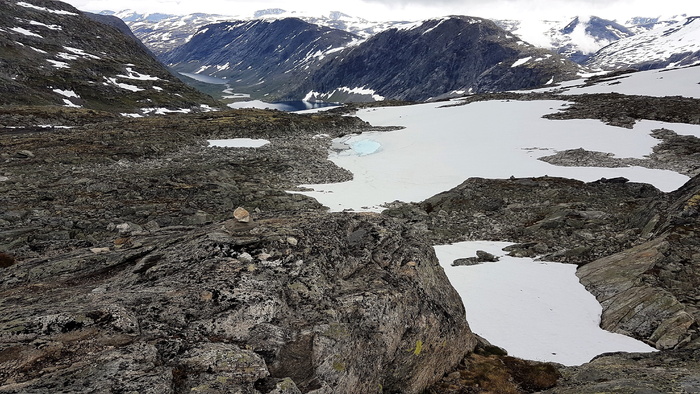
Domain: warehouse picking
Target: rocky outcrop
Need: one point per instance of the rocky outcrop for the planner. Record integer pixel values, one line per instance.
(348, 303)
(553, 218)
(651, 291)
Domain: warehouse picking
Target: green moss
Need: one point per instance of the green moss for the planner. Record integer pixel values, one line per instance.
(419, 348)
(338, 366)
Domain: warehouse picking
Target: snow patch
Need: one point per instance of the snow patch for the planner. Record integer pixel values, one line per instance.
(131, 74)
(58, 12)
(238, 143)
(58, 64)
(66, 93)
(113, 82)
(50, 27)
(520, 62)
(525, 306)
(25, 32)
(82, 53)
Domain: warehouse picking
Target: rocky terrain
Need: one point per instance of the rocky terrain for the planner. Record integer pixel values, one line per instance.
(151, 284)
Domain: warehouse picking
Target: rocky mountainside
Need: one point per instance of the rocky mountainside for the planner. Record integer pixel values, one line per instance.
(54, 54)
(259, 57)
(437, 58)
(665, 46)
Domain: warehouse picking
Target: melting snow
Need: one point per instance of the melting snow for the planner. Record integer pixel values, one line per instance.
(25, 32)
(534, 310)
(441, 147)
(50, 27)
(131, 74)
(238, 143)
(59, 12)
(113, 81)
(58, 64)
(80, 52)
(522, 61)
(66, 93)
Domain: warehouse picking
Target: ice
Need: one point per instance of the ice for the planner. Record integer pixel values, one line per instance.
(534, 310)
(238, 143)
(365, 147)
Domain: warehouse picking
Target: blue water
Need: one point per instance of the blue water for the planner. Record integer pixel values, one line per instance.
(206, 78)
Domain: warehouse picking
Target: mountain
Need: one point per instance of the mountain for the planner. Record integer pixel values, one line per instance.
(437, 58)
(260, 57)
(665, 46)
(164, 32)
(576, 39)
(55, 55)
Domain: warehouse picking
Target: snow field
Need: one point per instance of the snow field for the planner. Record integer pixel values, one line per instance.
(534, 310)
(440, 147)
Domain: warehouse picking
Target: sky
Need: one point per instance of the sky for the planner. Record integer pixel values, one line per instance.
(379, 10)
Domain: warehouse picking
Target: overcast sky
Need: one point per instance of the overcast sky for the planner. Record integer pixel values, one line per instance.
(412, 9)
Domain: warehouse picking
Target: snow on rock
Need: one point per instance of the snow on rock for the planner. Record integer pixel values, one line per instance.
(534, 310)
(25, 32)
(440, 147)
(32, 6)
(70, 104)
(131, 74)
(50, 27)
(113, 81)
(82, 53)
(58, 64)
(522, 61)
(238, 143)
(66, 93)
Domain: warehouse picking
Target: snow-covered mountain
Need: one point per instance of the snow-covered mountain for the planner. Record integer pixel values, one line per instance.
(437, 58)
(165, 32)
(577, 38)
(259, 57)
(665, 46)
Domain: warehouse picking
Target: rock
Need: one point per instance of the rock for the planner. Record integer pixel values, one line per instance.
(242, 215)
(128, 228)
(4, 178)
(193, 310)
(25, 154)
(99, 250)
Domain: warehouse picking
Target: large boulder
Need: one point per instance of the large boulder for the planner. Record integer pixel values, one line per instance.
(313, 303)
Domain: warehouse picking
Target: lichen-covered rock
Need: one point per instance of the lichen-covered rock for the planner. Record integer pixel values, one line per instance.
(357, 303)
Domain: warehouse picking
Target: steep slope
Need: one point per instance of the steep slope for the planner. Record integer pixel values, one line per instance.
(452, 55)
(674, 45)
(259, 57)
(55, 55)
(577, 39)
